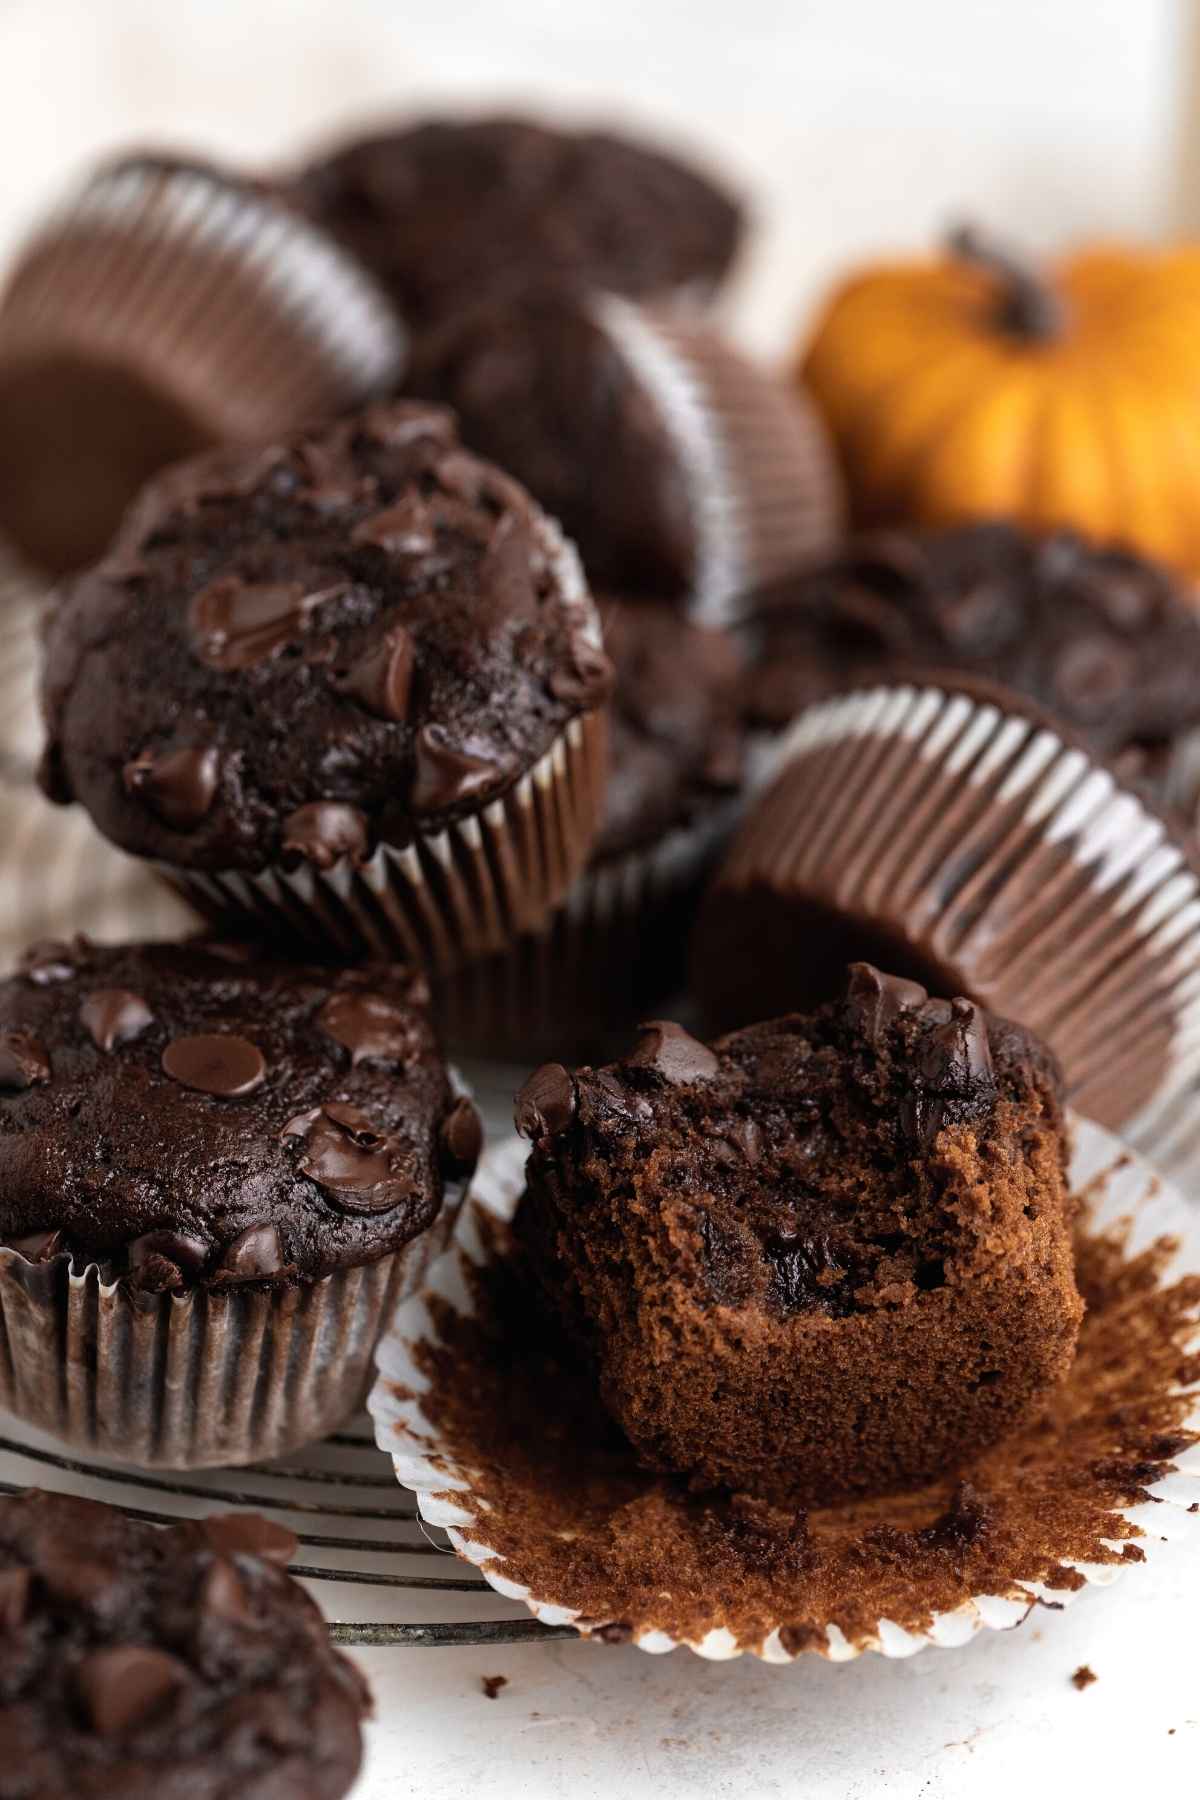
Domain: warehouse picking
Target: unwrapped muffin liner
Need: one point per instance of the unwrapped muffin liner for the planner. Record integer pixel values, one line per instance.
(760, 475)
(1124, 1194)
(252, 316)
(203, 1377)
(446, 899)
(968, 828)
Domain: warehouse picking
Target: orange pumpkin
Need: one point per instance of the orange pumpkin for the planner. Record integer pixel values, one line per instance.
(971, 386)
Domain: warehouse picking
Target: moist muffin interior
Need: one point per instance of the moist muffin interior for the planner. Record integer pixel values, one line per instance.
(743, 1239)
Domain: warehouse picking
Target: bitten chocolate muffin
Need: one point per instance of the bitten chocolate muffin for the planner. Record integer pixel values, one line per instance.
(683, 471)
(320, 653)
(279, 1147)
(440, 208)
(165, 1664)
(829, 1255)
(1100, 637)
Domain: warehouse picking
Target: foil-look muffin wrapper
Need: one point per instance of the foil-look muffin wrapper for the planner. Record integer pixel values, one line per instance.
(1126, 1197)
(444, 900)
(761, 481)
(203, 1377)
(960, 831)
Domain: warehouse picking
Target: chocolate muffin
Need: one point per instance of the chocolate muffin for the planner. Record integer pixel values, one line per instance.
(826, 1256)
(351, 684)
(682, 470)
(217, 1175)
(441, 208)
(1101, 638)
(165, 1664)
(167, 306)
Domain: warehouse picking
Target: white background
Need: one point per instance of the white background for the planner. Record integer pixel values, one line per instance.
(855, 126)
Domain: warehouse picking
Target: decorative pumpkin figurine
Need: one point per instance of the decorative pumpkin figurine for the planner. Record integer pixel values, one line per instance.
(973, 387)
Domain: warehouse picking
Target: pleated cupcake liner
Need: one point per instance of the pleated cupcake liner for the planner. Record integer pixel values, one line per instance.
(762, 484)
(612, 948)
(444, 900)
(23, 599)
(248, 313)
(1127, 1198)
(968, 833)
(201, 1378)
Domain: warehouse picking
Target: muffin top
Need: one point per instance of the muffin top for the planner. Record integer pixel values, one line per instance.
(161, 1664)
(438, 208)
(1097, 636)
(676, 739)
(199, 1115)
(797, 1147)
(295, 652)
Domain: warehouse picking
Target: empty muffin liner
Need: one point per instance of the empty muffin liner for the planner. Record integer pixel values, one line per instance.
(959, 826)
(252, 317)
(612, 948)
(203, 1377)
(443, 900)
(760, 476)
(1153, 1300)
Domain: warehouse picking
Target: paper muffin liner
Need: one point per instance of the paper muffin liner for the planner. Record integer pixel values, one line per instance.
(205, 1377)
(1128, 1203)
(962, 830)
(612, 948)
(446, 899)
(764, 492)
(23, 598)
(248, 314)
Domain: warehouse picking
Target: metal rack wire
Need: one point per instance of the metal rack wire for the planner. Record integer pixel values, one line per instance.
(364, 1553)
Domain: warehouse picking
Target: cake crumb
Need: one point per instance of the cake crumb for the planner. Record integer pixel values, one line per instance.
(1084, 1677)
(492, 1684)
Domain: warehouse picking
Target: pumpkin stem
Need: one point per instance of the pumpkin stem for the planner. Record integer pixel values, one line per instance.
(1029, 307)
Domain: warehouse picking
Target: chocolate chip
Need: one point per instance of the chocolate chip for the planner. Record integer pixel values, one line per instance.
(217, 1063)
(746, 1134)
(40, 1246)
(381, 679)
(586, 679)
(405, 529)
(114, 1016)
(23, 1061)
(244, 1534)
(326, 832)
(875, 1001)
(362, 1169)
(127, 1685)
(616, 1631)
(461, 1136)
(955, 1055)
(1090, 674)
(614, 1097)
(546, 1104)
(81, 1583)
(179, 786)
(672, 1053)
(370, 1028)
(446, 775)
(15, 1585)
(235, 623)
(164, 1259)
(51, 960)
(1129, 598)
(255, 1254)
(223, 1593)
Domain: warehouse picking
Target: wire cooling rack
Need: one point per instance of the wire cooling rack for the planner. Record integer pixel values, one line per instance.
(379, 1574)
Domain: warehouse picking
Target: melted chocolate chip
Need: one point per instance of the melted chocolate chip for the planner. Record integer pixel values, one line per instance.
(672, 1053)
(217, 1063)
(461, 1136)
(223, 1594)
(235, 623)
(246, 1534)
(325, 832)
(875, 1001)
(359, 1167)
(370, 1028)
(955, 1055)
(586, 679)
(746, 1134)
(446, 775)
(127, 1685)
(255, 1254)
(114, 1016)
(381, 679)
(405, 529)
(179, 786)
(162, 1260)
(15, 1585)
(546, 1104)
(23, 1061)
(1091, 672)
(51, 960)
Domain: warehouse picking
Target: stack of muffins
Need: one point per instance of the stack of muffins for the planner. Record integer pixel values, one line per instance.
(494, 591)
